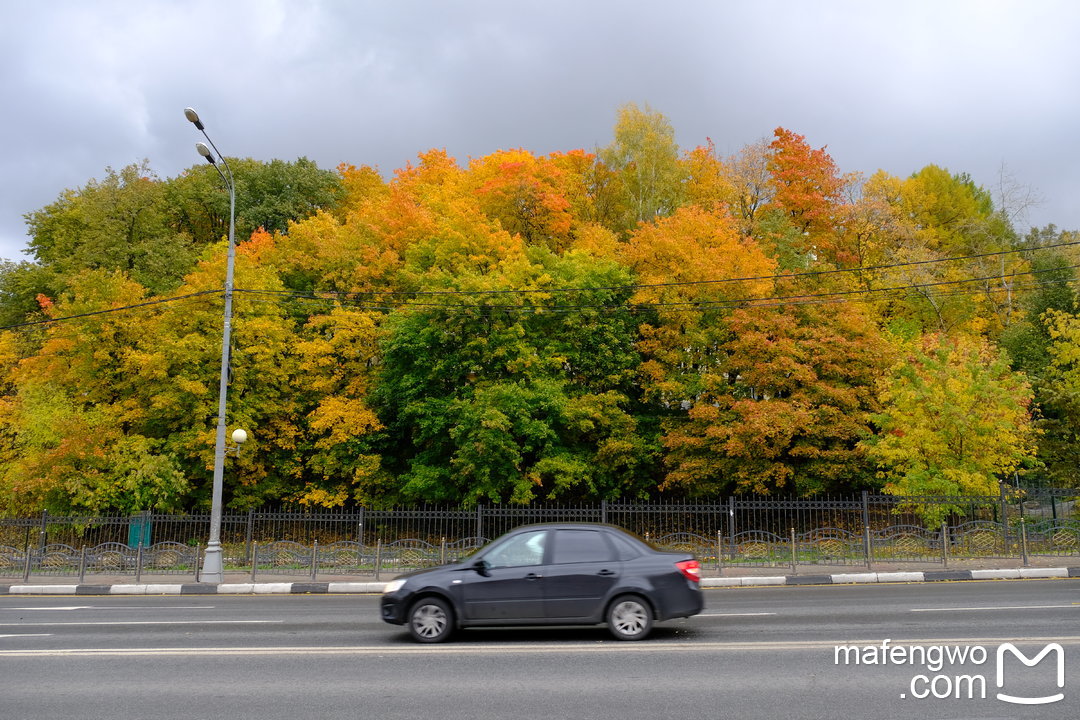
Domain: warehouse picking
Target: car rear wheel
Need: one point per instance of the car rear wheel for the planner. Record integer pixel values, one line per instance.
(629, 618)
(431, 620)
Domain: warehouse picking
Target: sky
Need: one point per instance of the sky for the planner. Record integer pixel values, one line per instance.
(988, 87)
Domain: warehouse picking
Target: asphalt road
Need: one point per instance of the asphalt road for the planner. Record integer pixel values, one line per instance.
(753, 653)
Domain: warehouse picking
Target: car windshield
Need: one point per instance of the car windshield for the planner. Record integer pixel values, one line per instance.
(522, 549)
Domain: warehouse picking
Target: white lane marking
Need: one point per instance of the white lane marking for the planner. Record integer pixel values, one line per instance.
(1074, 606)
(531, 649)
(28, 635)
(146, 622)
(116, 607)
(734, 614)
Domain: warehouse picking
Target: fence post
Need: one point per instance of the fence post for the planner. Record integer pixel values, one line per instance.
(1004, 518)
(247, 536)
(719, 552)
(26, 566)
(944, 545)
(82, 565)
(731, 526)
(314, 560)
(360, 528)
(442, 551)
(254, 558)
(138, 562)
(378, 558)
(866, 545)
(1023, 540)
(794, 558)
(866, 527)
(43, 534)
(603, 511)
(479, 520)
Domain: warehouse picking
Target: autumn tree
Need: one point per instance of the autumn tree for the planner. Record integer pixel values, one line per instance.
(73, 445)
(708, 182)
(526, 195)
(691, 270)
(338, 358)
(786, 407)
(807, 190)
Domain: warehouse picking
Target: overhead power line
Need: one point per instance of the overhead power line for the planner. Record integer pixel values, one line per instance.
(346, 296)
(92, 313)
(689, 304)
(681, 283)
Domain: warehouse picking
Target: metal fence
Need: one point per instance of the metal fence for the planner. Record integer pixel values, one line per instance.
(740, 531)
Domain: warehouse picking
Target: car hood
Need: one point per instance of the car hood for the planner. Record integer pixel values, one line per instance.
(432, 572)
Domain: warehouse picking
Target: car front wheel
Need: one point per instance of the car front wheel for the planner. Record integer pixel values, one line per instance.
(431, 620)
(629, 618)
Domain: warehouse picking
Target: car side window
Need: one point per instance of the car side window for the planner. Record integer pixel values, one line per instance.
(524, 549)
(576, 546)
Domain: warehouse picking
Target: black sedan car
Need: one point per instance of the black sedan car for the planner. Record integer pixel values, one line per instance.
(552, 574)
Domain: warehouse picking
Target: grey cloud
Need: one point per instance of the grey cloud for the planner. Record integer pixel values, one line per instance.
(966, 85)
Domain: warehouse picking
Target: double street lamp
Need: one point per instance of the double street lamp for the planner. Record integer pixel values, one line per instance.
(213, 567)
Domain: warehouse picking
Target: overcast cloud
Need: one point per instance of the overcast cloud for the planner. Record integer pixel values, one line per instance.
(971, 86)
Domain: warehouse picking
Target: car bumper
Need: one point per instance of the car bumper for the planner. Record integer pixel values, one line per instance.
(392, 609)
(685, 604)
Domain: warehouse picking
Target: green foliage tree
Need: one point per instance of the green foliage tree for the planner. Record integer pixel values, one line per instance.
(119, 223)
(645, 156)
(488, 398)
(956, 420)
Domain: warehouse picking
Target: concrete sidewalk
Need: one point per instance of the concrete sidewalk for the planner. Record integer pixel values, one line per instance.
(240, 583)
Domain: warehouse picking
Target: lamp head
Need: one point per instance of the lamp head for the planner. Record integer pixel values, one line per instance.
(239, 436)
(205, 152)
(193, 116)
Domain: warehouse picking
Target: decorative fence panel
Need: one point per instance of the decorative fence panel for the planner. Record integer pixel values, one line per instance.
(736, 532)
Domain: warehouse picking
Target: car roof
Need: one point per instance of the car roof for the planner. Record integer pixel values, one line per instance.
(566, 525)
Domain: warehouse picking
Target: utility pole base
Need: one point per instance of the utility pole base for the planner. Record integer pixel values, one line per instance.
(213, 570)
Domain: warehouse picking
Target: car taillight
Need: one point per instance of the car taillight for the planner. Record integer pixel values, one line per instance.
(691, 569)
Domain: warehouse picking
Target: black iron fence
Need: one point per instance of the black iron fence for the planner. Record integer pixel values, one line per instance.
(739, 531)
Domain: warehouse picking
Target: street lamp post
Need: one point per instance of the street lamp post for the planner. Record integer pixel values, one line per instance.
(213, 567)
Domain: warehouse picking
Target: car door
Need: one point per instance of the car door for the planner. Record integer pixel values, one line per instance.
(510, 586)
(583, 568)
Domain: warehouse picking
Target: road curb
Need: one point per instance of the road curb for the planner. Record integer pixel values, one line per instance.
(323, 588)
(893, 577)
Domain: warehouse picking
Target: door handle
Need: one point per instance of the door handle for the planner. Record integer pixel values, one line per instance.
(606, 572)
(533, 576)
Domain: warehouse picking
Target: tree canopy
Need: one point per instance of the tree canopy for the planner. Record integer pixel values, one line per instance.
(638, 321)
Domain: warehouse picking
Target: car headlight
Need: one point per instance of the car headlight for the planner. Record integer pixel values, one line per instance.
(393, 586)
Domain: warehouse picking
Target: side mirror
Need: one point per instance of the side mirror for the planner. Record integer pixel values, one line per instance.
(481, 567)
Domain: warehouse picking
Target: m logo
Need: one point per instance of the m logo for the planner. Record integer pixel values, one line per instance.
(1052, 647)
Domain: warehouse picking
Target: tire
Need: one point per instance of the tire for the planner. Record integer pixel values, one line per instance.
(431, 620)
(629, 618)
